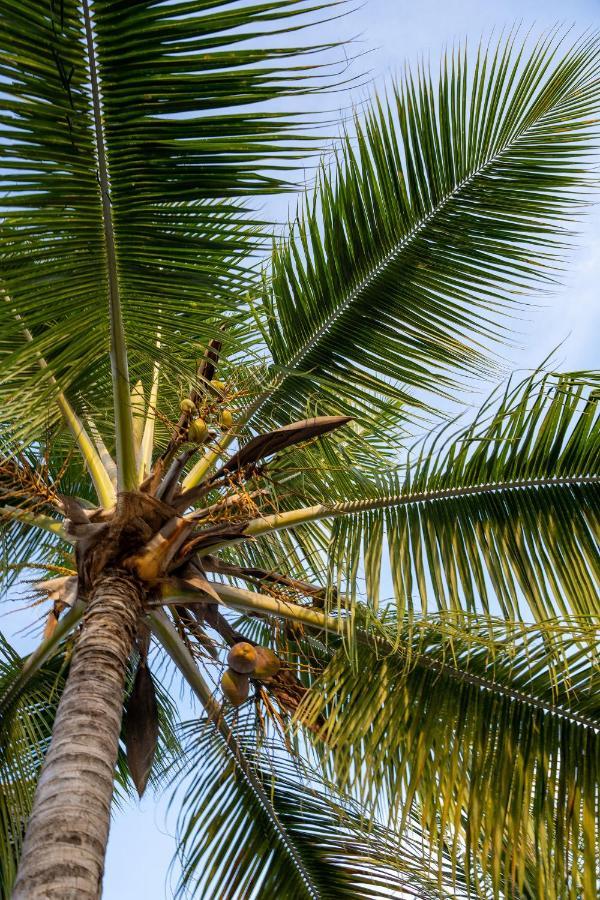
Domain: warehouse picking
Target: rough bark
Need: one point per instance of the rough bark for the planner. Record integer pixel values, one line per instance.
(65, 843)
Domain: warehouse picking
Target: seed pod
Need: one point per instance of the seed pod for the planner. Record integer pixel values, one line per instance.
(267, 665)
(242, 657)
(198, 431)
(187, 406)
(235, 686)
(226, 419)
(219, 386)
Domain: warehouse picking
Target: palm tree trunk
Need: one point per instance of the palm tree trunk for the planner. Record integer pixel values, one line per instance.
(65, 843)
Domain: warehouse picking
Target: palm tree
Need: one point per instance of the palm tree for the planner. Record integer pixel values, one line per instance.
(206, 448)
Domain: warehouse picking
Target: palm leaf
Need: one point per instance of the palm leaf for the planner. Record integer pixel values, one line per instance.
(229, 847)
(503, 516)
(130, 139)
(500, 515)
(450, 201)
(489, 732)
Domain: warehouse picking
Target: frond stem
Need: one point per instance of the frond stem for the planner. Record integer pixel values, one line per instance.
(36, 520)
(243, 600)
(168, 637)
(126, 463)
(295, 517)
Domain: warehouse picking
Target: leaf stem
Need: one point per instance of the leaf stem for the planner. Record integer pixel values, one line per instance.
(181, 656)
(240, 599)
(145, 460)
(98, 472)
(37, 520)
(295, 517)
(126, 463)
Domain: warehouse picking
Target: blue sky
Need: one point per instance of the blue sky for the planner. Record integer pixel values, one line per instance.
(141, 843)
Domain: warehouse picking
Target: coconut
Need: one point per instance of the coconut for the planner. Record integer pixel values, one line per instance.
(187, 406)
(242, 657)
(226, 419)
(198, 431)
(267, 665)
(235, 686)
(219, 386)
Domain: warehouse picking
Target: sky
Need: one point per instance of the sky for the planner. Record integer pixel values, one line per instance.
(141, 844)
(394, 31)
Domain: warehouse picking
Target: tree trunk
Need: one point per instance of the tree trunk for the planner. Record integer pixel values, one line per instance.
(65, 843)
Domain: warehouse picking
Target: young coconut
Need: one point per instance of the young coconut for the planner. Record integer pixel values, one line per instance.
(242, 658)
(198, 431)
(267, 665)
(226, 419)
(219, 386)
(235, 686)
(187, 406)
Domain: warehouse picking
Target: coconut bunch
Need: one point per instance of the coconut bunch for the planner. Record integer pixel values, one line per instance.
(247, 661)
(173, 535)
(206, 404)
(198, 431)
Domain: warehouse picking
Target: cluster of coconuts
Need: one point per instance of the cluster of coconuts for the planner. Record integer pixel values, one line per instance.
(198, 429)
(247, 661)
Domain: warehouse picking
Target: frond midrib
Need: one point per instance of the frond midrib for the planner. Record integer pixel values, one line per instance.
(392, 254)
(126, 462)
(396, 647)
(514, 694)
(169, 640)
(451, 493)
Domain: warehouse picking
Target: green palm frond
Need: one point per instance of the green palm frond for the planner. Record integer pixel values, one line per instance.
(488, 732)
(500, 515)
(451, 200)
(230, 846)
(173, 101)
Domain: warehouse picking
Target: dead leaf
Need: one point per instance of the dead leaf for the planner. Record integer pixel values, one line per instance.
(274, 441)
(141, 727)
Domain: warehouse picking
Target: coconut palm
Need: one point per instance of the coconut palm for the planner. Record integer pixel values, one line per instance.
(209, 447)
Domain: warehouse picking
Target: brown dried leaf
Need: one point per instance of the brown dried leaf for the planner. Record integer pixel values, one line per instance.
(141, 727)
(274, 441)
(200, 584)
(50, 626)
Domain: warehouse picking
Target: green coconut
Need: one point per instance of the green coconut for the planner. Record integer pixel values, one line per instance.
(198, 431)
(187, 406)
(226, 419)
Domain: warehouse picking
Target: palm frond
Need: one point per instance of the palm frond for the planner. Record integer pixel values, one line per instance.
(488, 732)
(498, 515)
(451, 200)
(229, 847)
(501, 515)
(170, 91)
